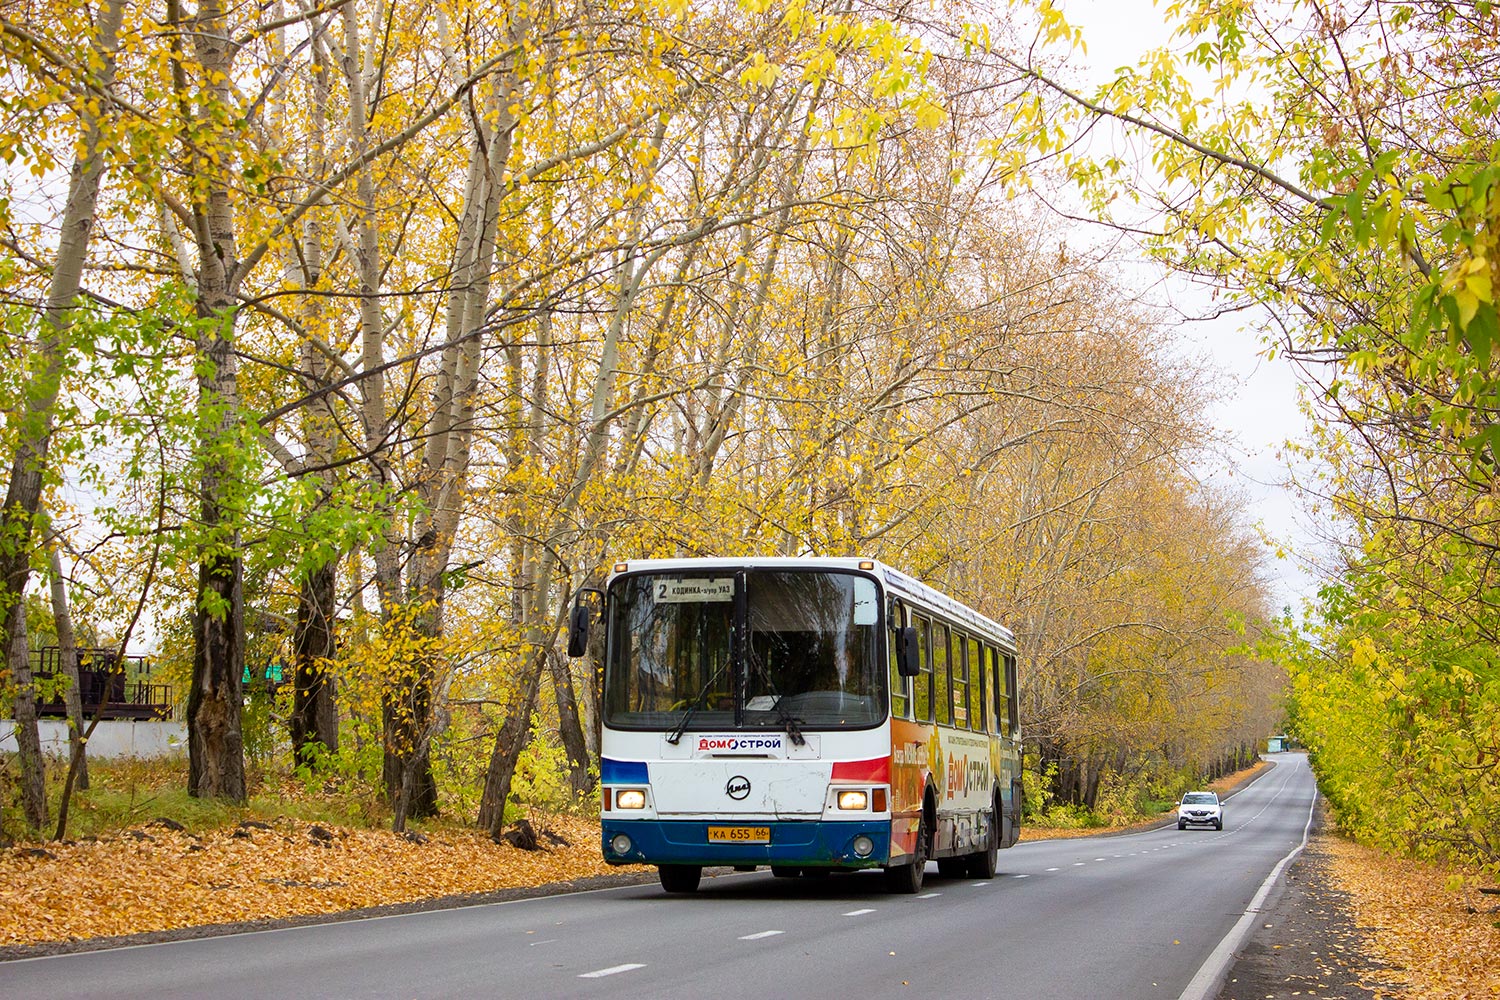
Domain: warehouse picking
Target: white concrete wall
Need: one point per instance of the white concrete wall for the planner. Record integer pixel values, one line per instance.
(111, 739)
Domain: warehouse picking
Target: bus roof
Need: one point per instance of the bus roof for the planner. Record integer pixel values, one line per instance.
(897, 583)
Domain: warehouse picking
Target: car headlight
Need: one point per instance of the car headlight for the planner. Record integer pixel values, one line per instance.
(630, 798)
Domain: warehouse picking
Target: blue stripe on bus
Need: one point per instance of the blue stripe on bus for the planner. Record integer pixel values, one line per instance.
(616, 772)
(655, 842)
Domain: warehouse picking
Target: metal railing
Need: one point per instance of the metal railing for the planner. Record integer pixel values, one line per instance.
(121, 686)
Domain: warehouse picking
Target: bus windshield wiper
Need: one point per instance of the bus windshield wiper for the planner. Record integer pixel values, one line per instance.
(789, 722)
(692, 709)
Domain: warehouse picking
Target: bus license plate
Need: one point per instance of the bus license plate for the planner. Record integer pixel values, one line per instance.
(739, 835)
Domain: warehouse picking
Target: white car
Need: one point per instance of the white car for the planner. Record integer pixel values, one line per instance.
(1201, 808)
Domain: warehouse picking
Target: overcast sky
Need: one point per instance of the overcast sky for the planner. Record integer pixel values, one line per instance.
(1259, 409)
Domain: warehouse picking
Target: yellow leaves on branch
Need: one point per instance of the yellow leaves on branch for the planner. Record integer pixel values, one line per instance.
(1470, 285)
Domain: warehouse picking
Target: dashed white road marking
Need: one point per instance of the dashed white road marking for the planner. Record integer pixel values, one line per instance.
(1054, 869)
(612, 970)
(1020, 876)
(762, 934)
(859, 913)
(1079, 864)
(977, 885)
(929, 895)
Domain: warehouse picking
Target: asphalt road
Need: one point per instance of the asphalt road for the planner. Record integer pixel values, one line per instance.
(1155, 914)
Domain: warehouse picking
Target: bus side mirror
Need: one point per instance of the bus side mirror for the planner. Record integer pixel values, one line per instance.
(908, 662)
(578, 630)
(580, 618)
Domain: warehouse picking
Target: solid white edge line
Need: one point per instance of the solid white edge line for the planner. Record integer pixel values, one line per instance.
(612, 970)
(1215, 968)
(333, 921)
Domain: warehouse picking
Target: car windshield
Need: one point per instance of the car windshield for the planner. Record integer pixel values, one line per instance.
(812, 659)
(1200, 799)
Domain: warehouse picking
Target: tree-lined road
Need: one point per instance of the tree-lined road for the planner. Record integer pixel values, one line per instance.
(1130, 916)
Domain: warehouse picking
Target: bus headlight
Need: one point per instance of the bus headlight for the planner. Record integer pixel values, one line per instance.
(630, 798)
(620, 844)
(855, 799)
(863, 845)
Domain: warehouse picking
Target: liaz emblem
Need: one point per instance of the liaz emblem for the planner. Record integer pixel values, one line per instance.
(738, 787)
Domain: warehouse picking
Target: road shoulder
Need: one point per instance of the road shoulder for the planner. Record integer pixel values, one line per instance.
(1306, 941)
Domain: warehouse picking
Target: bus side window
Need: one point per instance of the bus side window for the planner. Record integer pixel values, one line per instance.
(942, 694)
(992, 719)
(900, 698)
(960, 682)
(976, 686)
(1012, 697)
(922, 683)
(981, 671)
(1002, 709)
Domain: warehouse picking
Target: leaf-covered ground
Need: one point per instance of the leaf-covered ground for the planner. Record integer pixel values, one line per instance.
(1440, 943)
(155, 878)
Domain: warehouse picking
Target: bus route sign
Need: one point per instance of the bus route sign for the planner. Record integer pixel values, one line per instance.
(706, 589)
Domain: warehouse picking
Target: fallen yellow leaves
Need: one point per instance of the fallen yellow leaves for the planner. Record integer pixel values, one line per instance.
(158, 879)
(1424, 931)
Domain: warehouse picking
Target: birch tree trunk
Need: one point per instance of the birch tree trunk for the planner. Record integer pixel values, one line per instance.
(509, 743)
(67, 656)
(314, 722)
(216, 758)
(445, 465)
(537, 612)
(28, 739)
(34, 424)
(568, 725)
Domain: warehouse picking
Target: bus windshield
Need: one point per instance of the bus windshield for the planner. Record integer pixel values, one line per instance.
(811, 660)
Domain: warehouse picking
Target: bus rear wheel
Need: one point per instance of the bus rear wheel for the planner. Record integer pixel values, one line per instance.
(907, 879)
(982, 864)
(679, 878)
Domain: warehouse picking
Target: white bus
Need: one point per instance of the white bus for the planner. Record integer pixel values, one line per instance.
(809, 715)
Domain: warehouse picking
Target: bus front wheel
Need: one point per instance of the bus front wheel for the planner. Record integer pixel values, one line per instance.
(907, 879)
(679, 878)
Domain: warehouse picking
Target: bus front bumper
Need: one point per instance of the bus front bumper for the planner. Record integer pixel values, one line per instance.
(815, 843)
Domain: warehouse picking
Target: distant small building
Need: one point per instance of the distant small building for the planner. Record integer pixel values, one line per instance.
(1278, 744)
(272, 678)
(109, 686)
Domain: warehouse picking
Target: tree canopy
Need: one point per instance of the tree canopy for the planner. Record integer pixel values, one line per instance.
(1337, 168)
(396, 324)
